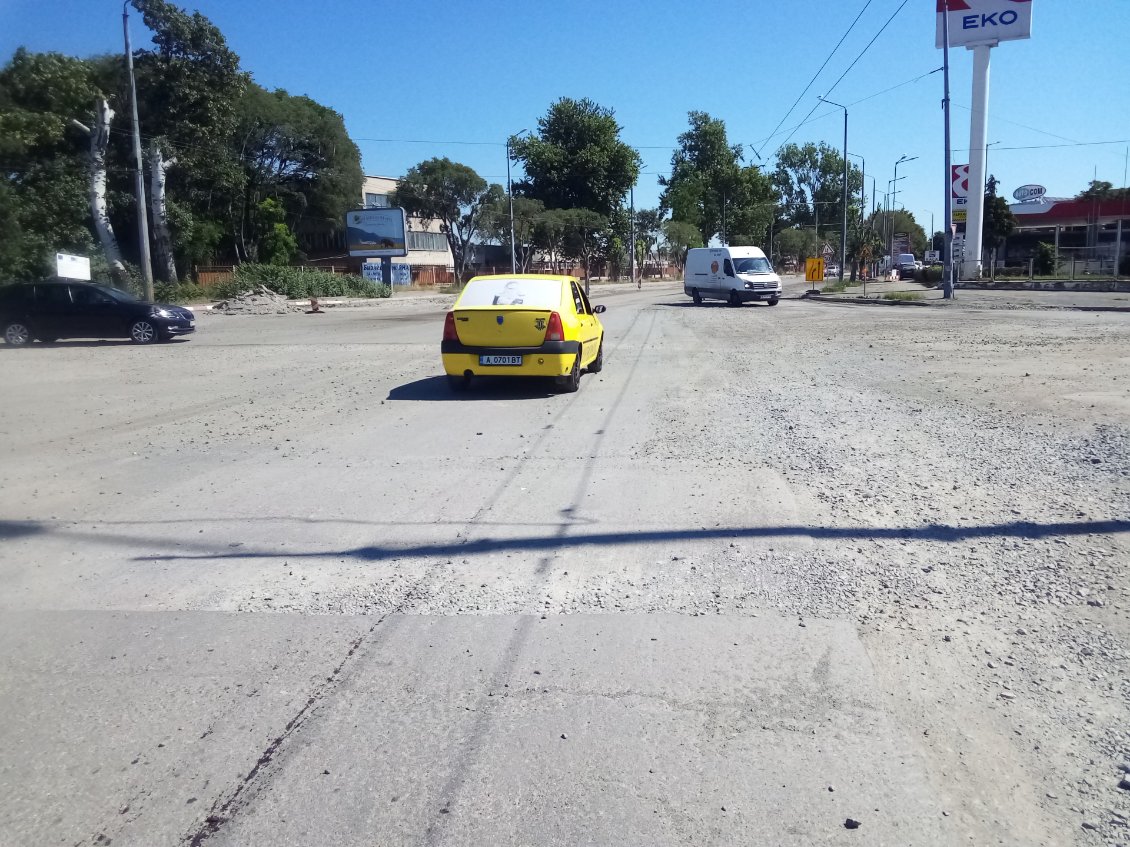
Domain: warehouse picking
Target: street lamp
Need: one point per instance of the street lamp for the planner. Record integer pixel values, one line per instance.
(905, 158)
(510, 196)
(843, 230)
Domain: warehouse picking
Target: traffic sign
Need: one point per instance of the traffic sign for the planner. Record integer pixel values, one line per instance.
(813, 270)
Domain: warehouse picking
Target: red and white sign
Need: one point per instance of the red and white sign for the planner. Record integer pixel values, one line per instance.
(973, 22)
(959, 194)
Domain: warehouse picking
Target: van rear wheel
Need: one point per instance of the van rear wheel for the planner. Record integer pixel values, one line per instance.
(696, 297)
(735, 300)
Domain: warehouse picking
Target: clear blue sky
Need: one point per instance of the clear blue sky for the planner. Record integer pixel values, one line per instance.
(441, 73)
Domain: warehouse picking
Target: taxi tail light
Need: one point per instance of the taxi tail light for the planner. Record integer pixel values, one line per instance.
(553, 330)
(449, 333)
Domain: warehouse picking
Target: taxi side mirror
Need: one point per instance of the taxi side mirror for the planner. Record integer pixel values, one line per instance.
(598, 310)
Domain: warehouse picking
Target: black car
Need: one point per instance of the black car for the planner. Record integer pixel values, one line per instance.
(48, 311)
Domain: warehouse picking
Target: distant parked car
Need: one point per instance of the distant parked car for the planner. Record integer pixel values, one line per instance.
(831, 271)
(48, 311)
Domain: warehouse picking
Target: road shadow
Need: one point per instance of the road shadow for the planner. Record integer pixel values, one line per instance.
(435, 389)
(556, 541)
(19, 529)
(713, 304)
(76, 343)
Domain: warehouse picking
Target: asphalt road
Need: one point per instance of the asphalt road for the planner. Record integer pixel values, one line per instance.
(276, 585)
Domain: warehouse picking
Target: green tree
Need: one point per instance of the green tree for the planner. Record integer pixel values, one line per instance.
(496, 226)
(797, 243)
(297, 151)
(999, 222)
(576, 160)
(583, 236)
(678, 238)
(549, 234)
(453, 194)
(1044, 264)
(1100, 189)
(709, 188)
(277, 244)
(810, 181)
(44, 184)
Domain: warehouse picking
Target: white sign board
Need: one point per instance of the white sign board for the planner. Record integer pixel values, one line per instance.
(974, 22)
(376, 232)
(401, 272)
(933, 256)
(72, 267)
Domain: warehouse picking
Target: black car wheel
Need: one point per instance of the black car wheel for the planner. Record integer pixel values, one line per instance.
(17, 333)
(774, 302)
(458, 383)
(144, 332)
(572, 382)
(696, 297)
(598, 363)
(735, 300)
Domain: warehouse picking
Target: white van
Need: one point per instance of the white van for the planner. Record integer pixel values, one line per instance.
(734, 274)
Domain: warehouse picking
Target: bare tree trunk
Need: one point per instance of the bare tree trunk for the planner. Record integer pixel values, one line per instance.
(99, 140)
(162, 240)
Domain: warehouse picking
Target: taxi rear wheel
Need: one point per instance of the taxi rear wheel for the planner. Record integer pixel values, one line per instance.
(569, 384)
(598, 363)
(458, 383)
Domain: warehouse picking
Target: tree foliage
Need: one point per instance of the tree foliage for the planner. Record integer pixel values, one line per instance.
(453, 194)
(235, 145)
(810, 180)
(576, 160)
(711, 189)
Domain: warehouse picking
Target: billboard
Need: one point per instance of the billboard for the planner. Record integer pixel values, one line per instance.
(974, 22)
(376, 232)
(72, 267)
(401, 272)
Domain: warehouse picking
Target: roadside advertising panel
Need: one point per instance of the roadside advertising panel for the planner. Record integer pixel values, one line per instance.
(376, 232)
(974, 22)
(401, 272)
(959, 193)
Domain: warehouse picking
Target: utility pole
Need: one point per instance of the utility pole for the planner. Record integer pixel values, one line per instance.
(947, 271)
(632, 202)
(139, 176)
(510, 197)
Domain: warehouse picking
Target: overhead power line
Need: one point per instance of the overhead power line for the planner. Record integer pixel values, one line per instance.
(821, 70)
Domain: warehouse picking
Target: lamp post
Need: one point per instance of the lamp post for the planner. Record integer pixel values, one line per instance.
(843, 230)
(905, 158)
(862, 193)
(139, 177)
(510, 197)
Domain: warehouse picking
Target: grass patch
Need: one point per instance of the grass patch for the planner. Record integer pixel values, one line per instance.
(903, 295)
(835, 287)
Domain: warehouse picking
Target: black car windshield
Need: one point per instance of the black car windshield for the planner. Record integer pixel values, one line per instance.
(755, 265)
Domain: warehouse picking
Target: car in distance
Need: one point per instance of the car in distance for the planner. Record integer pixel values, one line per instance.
(48, 311)
(734, 274)
(907, 265)
(522, 325)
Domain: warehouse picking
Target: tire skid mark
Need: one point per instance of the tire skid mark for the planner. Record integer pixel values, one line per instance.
(224, 809)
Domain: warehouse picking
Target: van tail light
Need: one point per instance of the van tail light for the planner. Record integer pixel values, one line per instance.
(553, 330)
(449, 333)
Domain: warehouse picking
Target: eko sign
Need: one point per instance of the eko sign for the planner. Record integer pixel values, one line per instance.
(974, 22)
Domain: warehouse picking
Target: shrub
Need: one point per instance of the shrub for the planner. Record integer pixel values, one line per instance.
(902, 295)
(299, 283)
(1044, 264)
(184, 292)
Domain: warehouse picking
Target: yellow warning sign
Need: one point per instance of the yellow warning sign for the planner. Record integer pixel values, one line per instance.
(813, 270)
(960, 216)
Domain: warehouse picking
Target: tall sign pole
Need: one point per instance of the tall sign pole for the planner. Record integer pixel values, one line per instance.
(978, 135)
(139, 176)
(979, 25)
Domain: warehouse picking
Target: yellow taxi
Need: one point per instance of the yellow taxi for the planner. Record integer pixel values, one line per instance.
(522, 325)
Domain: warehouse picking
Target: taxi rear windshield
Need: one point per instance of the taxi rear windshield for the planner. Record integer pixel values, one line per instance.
(534, 293)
